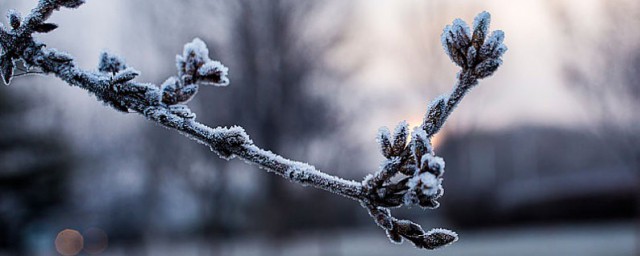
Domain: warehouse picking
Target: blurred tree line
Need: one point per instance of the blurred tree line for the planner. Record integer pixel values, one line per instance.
(543, 174)
(276, 51)
(35, 167)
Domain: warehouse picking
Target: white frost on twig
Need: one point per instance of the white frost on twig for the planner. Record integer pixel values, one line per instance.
(411, 174)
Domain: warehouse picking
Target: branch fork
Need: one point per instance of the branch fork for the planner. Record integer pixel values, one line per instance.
(410, 175)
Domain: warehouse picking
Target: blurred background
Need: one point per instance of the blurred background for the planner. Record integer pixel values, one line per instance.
(543, 158)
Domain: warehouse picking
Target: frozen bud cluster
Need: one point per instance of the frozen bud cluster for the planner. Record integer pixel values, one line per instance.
(425, 186)
(410, 175)
(472, 49)
(399, 230)
(194, 68)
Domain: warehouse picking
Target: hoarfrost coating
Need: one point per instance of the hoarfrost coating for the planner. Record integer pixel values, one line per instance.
(411, 173)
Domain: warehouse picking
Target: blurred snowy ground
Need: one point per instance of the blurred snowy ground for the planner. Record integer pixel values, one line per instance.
(612, 239)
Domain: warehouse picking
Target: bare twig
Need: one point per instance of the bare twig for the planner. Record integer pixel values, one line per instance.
(409, 158)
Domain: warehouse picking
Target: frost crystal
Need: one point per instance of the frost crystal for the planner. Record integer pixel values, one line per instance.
(195, 66)
(400, 137)
(441, 236)
(175, 92)
(125, 76)
(384, 140)
(196, 48)
(480, 29)
(110, 63)
(213, 73)
(421, 144)
(194, 55)
(14, 17)
(487, 67)
(461, 33)
(426, 182)
(474, 51)
(434, 164)
(493, 47)
(436, 112)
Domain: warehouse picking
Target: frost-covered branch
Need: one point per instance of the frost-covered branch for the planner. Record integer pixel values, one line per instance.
(410, 175)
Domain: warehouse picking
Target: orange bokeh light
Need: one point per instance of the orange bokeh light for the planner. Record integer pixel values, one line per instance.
(69, 242)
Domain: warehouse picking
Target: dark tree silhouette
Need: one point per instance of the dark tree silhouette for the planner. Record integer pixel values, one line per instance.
(35, 166)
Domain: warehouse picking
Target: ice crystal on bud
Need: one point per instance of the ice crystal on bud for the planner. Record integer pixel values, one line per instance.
(474, 51)
(471, 57)
(195, 66)
(439, 237)
(59, 56)
(436, 112)
(125, 76)
(449, 44)
(425, 183)
(175, 92)
(213, 73)
(433, 164)
(194, 55)
(493, 47)
(487, 67)
(461, 34)
(110, 63)
(14, 18)
(420, 143)
(400, 135)
(384, 140)
(480, 29)
(196, 49)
